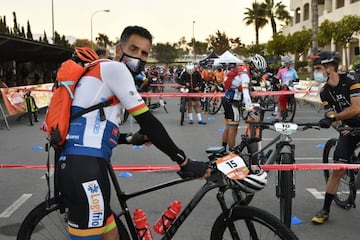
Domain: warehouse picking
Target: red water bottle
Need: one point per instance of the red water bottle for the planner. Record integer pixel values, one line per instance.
(167, 217)
(142, 225)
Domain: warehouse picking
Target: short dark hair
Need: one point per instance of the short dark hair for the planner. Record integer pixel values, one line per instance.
(130, 30)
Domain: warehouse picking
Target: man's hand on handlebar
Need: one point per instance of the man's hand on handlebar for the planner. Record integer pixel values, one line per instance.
(194, 169)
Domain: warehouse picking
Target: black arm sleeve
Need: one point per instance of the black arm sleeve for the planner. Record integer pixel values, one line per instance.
(158, 135)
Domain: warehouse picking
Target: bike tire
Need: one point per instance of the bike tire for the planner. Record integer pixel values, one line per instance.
(343, 196)
(243, 111)
(286, 190)
(124, 116)
(214, 105)
(250, 223)
(290, 109)
(46, 222)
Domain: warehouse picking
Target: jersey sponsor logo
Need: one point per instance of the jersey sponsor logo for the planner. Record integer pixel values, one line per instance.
(96, 203)
(97, 125)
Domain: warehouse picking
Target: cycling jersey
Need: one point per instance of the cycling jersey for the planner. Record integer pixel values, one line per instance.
(339, 97)
(240, 83)
(88, 135)
(287, 75)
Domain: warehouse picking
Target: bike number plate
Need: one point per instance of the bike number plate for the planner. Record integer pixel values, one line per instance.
(285, 127)
(233, 166)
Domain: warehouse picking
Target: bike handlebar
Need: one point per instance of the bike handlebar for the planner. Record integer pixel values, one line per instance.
(269, 125)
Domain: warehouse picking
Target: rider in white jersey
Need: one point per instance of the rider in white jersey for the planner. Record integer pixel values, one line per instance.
(82, 168)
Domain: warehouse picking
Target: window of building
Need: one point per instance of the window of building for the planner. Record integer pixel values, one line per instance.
(306, 15)
(354, 1)
(297, 15)
(340, 3)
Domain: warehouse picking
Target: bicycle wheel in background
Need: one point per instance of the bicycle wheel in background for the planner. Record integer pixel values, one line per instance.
(290, 109)
(343, 197)
(124, 115)
(285, 190)
(249, 223)
(214, 105)
(46, 222)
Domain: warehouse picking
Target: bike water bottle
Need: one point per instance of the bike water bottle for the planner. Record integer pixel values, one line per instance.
(142, 225)
(167, 217)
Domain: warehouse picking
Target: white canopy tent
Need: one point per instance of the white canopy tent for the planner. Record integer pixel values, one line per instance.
(227, 58)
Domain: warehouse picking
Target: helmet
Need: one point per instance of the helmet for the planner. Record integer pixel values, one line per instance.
(84, 55)
(259, 62)
(253, 182)
(325, 57)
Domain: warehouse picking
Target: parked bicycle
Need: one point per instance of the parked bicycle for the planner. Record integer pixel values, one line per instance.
(350, 181)
(270, 102)
(48, 220)
(283, 153)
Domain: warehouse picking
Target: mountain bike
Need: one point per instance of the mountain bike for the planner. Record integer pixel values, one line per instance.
(48, 220)
(283, 153)
(350, 181)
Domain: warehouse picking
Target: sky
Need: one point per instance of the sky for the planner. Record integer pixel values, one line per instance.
(167, 20)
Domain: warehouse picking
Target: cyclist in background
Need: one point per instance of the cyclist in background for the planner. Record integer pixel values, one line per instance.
(82, 167)
(236, 90)
(340, 97)
(191, 78)
(220, 75)
(286, 75)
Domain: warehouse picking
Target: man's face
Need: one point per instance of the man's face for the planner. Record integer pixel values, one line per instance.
(136, 46)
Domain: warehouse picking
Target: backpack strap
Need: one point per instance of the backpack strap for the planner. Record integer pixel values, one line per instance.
(99, 106)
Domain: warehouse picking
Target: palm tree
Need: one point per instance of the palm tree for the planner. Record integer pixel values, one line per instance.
(275, 11)
(255, 15)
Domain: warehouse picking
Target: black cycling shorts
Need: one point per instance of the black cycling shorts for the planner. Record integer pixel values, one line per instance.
(345, 147)
(84, 185)
(232, 112)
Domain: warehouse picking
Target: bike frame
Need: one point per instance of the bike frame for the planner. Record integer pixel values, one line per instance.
(215, 181)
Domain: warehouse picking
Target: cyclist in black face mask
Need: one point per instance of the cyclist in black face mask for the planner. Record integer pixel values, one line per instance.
(82, 167)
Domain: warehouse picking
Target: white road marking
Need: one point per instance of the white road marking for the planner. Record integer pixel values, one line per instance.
(13, 207)
(316, 193)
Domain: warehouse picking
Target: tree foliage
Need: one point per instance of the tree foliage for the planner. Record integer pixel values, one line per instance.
(275, 11)
(103, 40)
(166, 53)
(256, 15)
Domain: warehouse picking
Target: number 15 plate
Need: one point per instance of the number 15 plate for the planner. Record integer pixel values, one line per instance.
(233, 166)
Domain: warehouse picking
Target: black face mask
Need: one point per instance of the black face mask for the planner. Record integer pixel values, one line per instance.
(135, 65)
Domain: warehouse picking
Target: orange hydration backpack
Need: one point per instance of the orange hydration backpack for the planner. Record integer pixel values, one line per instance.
(58, 116)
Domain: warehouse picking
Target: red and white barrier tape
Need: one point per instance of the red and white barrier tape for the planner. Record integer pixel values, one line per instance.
(152, 168)
(219, 94)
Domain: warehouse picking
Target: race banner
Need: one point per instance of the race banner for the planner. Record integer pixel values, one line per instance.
(14, 97)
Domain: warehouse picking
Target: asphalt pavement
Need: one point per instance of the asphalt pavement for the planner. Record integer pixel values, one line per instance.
(23, 188)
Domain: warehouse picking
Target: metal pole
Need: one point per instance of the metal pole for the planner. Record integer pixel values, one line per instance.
(52, 21)
(194, 41)
(92, 16)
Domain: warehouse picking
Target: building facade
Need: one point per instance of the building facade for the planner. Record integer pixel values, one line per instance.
(332, 10)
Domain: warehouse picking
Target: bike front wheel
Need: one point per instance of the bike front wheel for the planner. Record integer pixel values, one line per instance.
(214, 105)
(246, 222)
(286, 190)
(46, 222)
(343, 196)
